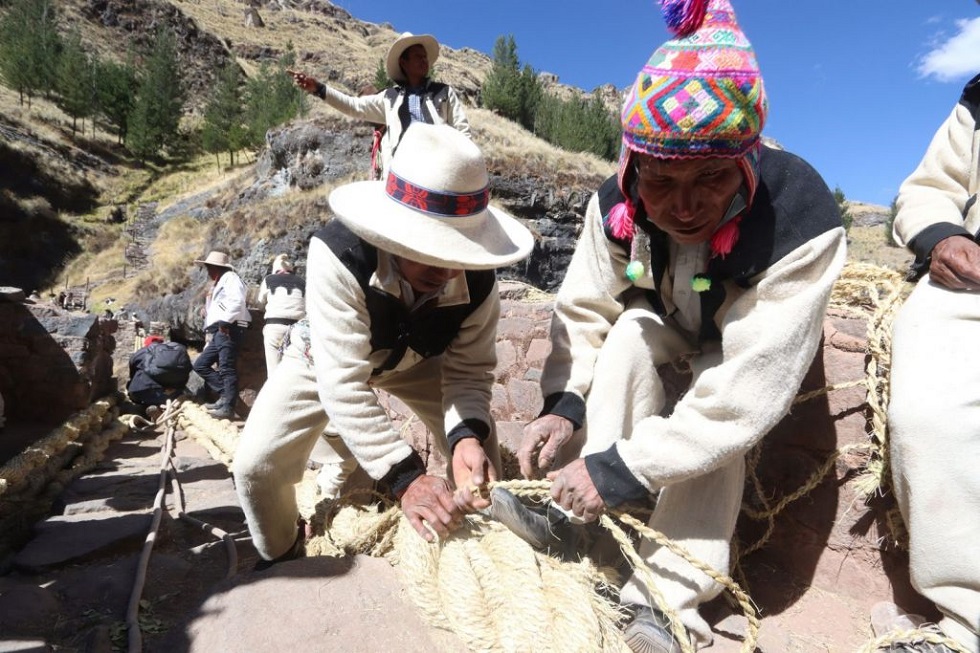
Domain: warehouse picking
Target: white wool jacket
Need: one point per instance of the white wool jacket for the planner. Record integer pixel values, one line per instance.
(441, 106)
(347, 358)
(226, 303)
(765, 307)
(282, 295)
(939, 199)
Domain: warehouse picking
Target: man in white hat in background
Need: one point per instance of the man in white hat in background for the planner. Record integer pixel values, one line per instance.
(283, 296)
(225, 320)
(414, 98)
(401, 296)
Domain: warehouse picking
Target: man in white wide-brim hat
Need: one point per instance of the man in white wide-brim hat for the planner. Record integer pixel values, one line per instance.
(413, 98)
(401, 296)
(225, 319)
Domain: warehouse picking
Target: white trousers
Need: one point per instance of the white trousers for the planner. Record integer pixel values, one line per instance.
(286, 422)
(700, 513)
(934, 441)
(273, 336)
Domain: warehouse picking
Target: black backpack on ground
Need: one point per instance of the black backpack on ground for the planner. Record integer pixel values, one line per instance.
(168, 364)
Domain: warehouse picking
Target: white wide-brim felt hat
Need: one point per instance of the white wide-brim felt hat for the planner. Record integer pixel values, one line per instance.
(404, 42)
(433, 207)
(217, 259)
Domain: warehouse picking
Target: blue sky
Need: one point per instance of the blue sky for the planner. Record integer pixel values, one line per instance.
(856, 87)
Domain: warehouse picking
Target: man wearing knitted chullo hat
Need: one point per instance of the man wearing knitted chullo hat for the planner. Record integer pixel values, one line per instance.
(708, 247)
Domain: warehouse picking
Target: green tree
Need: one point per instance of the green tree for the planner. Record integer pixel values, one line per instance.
(381, 80)
(155, 118)
(75, 81)
(508, 90)
(890, 223)
(29, 47)
(115, 89)
(845, 210)
(224, 129)
(578, 125)
(271, 98)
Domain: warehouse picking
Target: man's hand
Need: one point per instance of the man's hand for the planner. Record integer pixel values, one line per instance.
(428, 499)
(956, 263)
(572, 489)
(224, 330)
(542, 439)
(471, 468)
(304, 81)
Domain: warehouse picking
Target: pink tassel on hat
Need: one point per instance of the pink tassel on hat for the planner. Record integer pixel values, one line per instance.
(620, 220)
(683, 17)
(724, 239)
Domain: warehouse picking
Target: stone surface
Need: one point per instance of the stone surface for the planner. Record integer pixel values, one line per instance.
(52, 363)
(320, 612)
(61, 539)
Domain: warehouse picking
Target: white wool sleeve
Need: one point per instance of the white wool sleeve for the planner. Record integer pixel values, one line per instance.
(937, 191)
(340, 339)
(468, 365)
(769, 338)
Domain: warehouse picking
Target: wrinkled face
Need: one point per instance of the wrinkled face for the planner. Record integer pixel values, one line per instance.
(687, 198)
(425, 278)
(414, 62)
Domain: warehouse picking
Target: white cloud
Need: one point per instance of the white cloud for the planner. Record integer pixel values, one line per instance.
(955, 57)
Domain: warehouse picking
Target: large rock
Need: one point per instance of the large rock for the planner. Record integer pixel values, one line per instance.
(52, 362)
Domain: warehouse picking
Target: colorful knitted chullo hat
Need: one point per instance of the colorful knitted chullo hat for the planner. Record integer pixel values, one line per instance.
(701, 93)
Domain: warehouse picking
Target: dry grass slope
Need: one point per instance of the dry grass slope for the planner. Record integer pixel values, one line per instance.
(334, 46)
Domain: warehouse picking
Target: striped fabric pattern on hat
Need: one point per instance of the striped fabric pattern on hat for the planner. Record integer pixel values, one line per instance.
(701, 93)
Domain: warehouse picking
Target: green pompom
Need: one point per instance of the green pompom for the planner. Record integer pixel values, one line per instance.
(700, 283)
(634, 270)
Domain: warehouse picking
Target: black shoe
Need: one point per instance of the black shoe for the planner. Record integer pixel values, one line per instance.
(222, 411)
(550, 531)
(649, 632)
(296, 551)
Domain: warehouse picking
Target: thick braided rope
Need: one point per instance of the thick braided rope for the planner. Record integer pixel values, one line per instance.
(540, 488)
(751, 635)
(913, 637)
(875, 294)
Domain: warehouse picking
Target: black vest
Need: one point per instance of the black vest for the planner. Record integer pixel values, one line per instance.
(792, 206)
(429, 330)
(291, 282)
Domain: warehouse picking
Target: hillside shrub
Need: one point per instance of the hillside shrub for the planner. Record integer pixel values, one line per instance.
(154, 121)
(29, 47)
(890, 223)
(76, 81)
(508, 90)
(578, 125)
(224, 116)
(271, 98)
(845, 212)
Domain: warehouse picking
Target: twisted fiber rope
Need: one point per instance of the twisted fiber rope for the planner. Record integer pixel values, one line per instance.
(876, 294)
(916, 636)
(497, 594)
(22, 469)
(169, 420)
(219, 437)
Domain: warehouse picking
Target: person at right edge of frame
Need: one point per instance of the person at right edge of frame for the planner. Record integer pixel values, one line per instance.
(709, 249)
(934, 409)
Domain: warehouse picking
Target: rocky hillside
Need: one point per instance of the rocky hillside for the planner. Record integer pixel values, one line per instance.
(64, 192)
